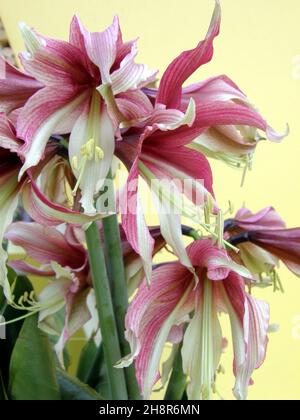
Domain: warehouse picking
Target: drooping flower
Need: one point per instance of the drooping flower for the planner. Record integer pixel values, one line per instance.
(156, 149)
(62, 258)
(91, 86)
(263, 240)
(233, 142)
(162, 313)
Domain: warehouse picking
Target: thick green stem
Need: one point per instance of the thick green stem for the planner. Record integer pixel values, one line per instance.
(178, 380)
(108, 327)
(116, 271)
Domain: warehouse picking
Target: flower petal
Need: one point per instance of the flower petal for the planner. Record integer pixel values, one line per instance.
(47, 213)
(151, 316)
(93, 124)
(186, 64)
(283, 244)
(249, 319)
(210, 114)
(219, 88)
(39, 120)
(202, 346)
(8, 139)
(133, 221)
(16, 87)
(44, 244)
(266, 218)
(102, 49)
(203, 253)
(131, 76)
(134, 105)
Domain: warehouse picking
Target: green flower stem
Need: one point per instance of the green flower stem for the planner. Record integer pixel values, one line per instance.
(108, 327)
(178, 381)
(116, 272)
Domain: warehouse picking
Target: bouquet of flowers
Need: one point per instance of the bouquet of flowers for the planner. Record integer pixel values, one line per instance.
(77, 249)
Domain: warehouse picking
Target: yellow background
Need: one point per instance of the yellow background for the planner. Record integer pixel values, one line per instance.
(258, 43)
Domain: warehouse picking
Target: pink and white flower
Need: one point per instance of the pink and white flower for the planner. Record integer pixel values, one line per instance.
(91, 86)
(16, 87)
(36, 203)
(158, 148)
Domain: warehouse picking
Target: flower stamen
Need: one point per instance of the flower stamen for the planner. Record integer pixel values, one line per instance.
(89, 152)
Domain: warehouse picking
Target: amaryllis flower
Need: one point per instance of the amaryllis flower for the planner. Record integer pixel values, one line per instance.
(61, 257)
(264, 240)
(157, 149)
(16, 87)
(233, 142)
(162, 313)
(37, 204)
(91, 86)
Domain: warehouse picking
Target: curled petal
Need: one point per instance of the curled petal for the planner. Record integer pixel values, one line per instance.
(249, 319)
(134, 105)
(8, 139)
(217, 262)
(219, 88)
(266, 218)
(187, 63)
(131, 76)
(283, 244)
(133, 221)
(210, 114)
(47, 213)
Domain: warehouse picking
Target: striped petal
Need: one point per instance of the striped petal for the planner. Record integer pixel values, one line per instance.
(266, 218)
(210, 114)
(151, 316)
(16, 87)
(133, 221)
(102, 49)
(8, 139)
(44, 244)
(170, 89)
(249, 319)
(131, 76)
(45, 212)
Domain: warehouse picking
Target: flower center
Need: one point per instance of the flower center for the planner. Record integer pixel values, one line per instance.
(88, 152)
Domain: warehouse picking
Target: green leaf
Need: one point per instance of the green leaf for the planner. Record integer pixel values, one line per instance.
(89, 363)
(91, 368)
(73, 389)
(22, 285)
(32, 367)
